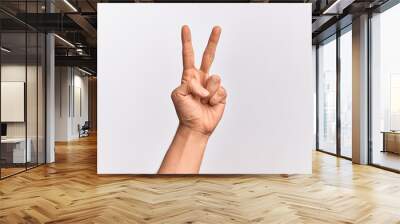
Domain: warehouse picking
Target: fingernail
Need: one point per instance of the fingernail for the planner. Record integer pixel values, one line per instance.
(204, 92)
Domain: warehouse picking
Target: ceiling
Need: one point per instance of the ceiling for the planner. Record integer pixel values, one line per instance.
(76, 22)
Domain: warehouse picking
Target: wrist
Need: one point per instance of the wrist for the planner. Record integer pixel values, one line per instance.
(188, 132)
(186, 152)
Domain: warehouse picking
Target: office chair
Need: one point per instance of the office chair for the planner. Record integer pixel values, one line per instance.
(84, 130)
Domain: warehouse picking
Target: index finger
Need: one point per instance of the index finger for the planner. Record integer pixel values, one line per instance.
(187, 48)
(209, 52)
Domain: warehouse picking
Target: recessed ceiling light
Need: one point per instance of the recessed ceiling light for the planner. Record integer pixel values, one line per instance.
(337, 7)
(84, 71)
(70, 5)
(5, 50)
(65, 41)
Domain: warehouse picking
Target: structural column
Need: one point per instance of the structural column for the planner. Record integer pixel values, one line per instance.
(50, 92)
(360, 90)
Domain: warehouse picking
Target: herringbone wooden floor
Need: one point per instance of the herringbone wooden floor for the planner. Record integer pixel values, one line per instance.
(70, 191)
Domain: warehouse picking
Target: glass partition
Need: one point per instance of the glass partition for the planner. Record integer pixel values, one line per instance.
(22, 101)
(32, 95)
(13, 110)
(41, 97)
(327, 96)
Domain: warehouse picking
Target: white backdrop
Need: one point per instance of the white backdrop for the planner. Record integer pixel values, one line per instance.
(263, 58)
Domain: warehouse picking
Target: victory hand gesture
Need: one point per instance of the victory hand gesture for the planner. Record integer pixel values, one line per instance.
(200, 99)
(199, 102)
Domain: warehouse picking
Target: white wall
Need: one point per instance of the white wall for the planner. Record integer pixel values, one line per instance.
(264, 59)
(79, 117)
(62, 80)
(69, 81)
(12, 101)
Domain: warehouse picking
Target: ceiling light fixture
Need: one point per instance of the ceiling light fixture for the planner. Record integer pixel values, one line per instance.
(65, 41)
(329, 9)
(5, 50)
(337, 7)
(70, 5)
(84, 71)
(79, 51)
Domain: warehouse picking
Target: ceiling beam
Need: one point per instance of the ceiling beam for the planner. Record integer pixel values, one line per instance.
(86, 26)
(82, 61)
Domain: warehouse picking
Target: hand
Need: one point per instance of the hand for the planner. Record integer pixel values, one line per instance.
(199, 102)
(200, 99)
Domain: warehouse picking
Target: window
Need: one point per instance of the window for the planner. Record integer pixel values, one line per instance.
(385, 89)
(333, 137)
(346, 93)
(327, 96)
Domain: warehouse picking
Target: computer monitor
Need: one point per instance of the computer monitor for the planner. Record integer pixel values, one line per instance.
(3, 129)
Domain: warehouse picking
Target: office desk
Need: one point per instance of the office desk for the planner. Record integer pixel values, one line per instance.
(391, 141)
(13, 150)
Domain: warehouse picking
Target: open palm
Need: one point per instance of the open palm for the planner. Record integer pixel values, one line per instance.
(200, 99)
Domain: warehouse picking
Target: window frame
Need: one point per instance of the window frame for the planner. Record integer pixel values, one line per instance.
(334, 37)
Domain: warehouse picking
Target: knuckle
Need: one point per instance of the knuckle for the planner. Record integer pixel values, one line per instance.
(190, 74)
(223, 92)
(175, 93)
(188, 53)
(191, 83)
(213, 100)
